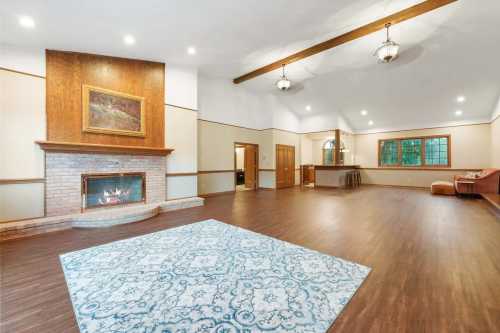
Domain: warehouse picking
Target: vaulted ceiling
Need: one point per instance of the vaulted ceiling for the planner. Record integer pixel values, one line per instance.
(445, 53)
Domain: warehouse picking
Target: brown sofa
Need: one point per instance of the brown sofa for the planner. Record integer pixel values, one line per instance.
(486, 181)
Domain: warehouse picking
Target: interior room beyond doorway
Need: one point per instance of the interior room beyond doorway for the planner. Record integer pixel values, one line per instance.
(246, 158)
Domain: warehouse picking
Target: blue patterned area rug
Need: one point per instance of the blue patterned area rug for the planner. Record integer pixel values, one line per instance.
(207, 277)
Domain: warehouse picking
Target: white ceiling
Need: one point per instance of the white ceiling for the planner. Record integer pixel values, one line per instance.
(445, 53)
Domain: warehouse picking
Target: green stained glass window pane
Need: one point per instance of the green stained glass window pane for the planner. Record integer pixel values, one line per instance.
(328, 156)
(439, 149)
(389, 153)
(411, 152)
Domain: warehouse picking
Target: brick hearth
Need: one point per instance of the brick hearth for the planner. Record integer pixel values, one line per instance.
(64, 170)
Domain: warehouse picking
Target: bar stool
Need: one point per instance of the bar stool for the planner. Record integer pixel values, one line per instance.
(349, 179)
(352, 179)
(357, 178)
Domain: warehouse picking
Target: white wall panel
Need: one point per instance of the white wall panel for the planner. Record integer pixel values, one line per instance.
(22, 121)
(181, 86)
(26, 60)
(181, 132)
(182, 187)
(267, 179)
(21, 201)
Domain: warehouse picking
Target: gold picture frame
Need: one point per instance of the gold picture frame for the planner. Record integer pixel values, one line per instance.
(111, 112)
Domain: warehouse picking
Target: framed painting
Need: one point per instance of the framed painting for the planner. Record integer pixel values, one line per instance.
(112, 112)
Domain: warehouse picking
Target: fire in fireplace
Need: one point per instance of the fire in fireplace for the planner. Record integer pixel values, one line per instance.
(99, 190)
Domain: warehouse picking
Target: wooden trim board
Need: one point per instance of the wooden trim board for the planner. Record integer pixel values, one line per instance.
(420, 169)
(214, 194)
(181, 107)
(71, 147)
(203, 172)
(22, 181)
(181, 174)
(22, 73)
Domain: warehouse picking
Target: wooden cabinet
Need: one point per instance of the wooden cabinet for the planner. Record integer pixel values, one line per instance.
(285, 166)
(307, 173)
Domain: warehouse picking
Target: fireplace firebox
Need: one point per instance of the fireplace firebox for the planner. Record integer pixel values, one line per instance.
(112, 189)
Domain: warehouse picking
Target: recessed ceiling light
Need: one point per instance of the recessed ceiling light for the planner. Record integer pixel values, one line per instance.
(364, 112)
(129, 39)
(461, 99)
(458, 113)
(191, 50)
(26, 22)
(308, 108)
(370, 123)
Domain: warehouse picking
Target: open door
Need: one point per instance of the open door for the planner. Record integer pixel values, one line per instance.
(250, 166)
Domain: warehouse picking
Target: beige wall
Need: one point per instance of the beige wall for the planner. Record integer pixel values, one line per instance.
(470, 149)
(306, 149)
(470, 145)
(290, 139)
(216, 153)
(348, 140)
(317, 141)
(413, 178)
(22, 121)
(206, 146)
(495, 143)
(181, 130)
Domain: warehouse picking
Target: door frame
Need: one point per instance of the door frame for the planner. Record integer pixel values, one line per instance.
(236, 144)
(276, 165)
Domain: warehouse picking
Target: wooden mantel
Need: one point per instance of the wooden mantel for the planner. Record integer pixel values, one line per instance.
(84, 148)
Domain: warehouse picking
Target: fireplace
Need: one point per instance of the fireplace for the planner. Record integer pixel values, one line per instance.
(112, 189)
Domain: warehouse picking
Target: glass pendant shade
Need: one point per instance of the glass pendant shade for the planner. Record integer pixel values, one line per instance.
(388, 51)
(283, 83)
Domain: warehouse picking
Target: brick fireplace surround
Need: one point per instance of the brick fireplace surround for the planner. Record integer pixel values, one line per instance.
(63, 172)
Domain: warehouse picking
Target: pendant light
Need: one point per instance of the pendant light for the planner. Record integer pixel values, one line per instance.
(283, 83)
(388, 51)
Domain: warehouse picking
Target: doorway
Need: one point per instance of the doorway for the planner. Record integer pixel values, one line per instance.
(285, 166)
(246, 166)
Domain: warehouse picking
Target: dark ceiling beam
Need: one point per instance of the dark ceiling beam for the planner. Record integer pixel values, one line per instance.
(401, 16)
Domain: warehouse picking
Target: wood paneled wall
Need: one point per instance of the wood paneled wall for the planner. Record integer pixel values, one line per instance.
(68, 71)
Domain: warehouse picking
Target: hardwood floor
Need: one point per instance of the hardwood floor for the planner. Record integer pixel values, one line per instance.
(435, 260)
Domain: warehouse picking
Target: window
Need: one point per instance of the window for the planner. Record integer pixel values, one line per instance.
(436, 151)
(411, 152)
(329, 152)
(415, 152)
(389, 153)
